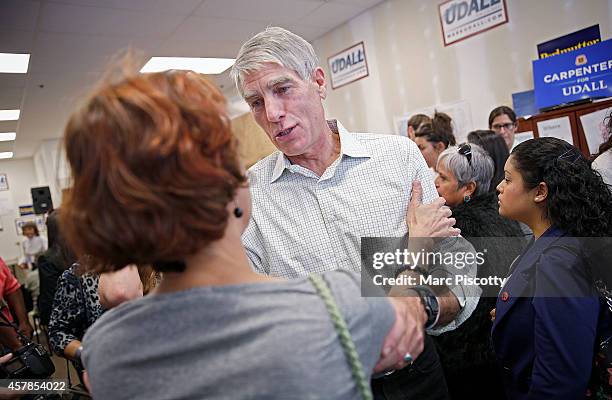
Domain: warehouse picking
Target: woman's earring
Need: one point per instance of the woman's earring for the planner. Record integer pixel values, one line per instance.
(467, 198)
(238, 212)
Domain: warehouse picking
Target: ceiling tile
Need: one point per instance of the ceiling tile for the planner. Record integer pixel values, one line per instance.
(61, 52)
(8, 126)
(7, 146)
(268, 11)
(330, 15)
(179, 7)
(363, 4)
(212, 29)
(19, 14)
(16, 41)
(201, 48)
(309, 33)
(12, 81)
(10, 98)
(107, 21)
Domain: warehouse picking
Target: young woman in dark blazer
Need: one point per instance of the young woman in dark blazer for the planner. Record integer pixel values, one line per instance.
(549, 316)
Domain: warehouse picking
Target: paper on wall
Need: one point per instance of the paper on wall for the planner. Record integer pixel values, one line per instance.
(595, 129)
(556, 127)
(521, 137)
(6, 204)
(459, 112)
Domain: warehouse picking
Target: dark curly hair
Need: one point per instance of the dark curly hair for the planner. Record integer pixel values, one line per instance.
(154, 165)
(578, 199)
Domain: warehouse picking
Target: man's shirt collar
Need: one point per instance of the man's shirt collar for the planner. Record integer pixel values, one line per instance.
(349, 146)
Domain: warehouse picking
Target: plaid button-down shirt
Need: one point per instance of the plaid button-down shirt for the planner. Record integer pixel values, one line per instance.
(302, 223)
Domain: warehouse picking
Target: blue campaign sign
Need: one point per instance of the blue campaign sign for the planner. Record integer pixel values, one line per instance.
(573, 41)
(580, 74)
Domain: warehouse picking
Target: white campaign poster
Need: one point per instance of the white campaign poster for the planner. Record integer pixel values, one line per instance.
(348, 65)
(556, 127)
(461, 19)
(594, 128)
(6, 203)
(458, 111)
(521, 137)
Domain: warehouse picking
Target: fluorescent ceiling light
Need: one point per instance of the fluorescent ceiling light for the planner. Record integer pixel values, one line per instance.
(6, 154)
(11, 63)
(7, 136)
(9, 115)
(201, 65)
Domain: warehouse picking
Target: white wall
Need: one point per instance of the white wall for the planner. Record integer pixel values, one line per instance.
(21, 177)
(51, 168)
(410, 68)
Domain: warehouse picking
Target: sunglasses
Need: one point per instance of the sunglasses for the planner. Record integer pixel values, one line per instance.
(466, 150)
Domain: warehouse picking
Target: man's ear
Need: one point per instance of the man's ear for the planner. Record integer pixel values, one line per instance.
(319, 80)
(541, 192)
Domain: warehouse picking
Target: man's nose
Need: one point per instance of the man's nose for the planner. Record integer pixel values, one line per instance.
(275, 110)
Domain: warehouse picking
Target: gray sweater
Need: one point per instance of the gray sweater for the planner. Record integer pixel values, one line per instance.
(272, 340)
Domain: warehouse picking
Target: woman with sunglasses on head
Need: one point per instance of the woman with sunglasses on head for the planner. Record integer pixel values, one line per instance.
(502, 120)
(548, 316)
(464, 177)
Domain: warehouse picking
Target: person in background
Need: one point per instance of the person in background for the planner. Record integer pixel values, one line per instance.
(549, 316)
(432, 143)
(464, 176)
(51, 265)
(80, 299)
(443, 124)
(32, 246)
(603, 159)
(414, 123)
(496, 148)
(12, 300)
(502, 120)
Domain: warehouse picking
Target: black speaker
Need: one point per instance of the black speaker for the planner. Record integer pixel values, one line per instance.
(41, 200)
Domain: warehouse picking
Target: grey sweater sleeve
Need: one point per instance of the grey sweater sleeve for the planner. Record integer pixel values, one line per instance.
(369, 319)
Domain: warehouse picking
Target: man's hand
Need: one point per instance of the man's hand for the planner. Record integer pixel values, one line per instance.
(406, 336)
(429, 220)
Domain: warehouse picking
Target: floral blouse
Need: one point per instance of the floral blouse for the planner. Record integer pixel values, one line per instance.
(76, 307)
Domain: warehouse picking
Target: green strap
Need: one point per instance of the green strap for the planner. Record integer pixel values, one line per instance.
(363, 385)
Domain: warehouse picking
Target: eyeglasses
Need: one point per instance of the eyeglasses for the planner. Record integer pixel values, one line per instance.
(499, 127)
(466, 150)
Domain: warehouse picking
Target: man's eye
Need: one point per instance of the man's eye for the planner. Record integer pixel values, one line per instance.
(256, 103)
(282, 89)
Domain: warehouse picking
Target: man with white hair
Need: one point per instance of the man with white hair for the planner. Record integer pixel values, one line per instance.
(326, 188)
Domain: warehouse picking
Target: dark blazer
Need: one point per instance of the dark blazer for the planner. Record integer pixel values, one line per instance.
(547, 317)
